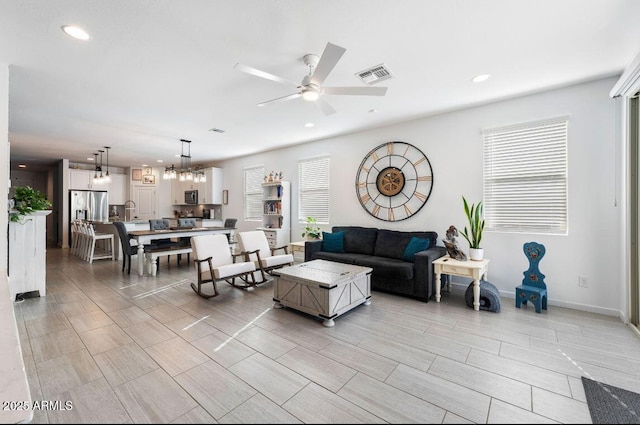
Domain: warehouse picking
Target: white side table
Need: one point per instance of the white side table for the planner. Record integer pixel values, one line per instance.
(297, 247)
(476, 270)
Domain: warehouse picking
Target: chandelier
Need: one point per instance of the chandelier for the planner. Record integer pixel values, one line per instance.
(101, 178)
(185, 172)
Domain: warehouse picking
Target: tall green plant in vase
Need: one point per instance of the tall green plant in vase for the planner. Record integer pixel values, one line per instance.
(473, 235)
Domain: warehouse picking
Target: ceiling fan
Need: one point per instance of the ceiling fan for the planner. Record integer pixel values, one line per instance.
(311, 88)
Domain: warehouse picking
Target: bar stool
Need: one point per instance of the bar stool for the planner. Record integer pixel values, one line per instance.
(106, 251)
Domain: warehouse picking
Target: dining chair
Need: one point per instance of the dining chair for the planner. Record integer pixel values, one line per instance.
(214, 262)
(161, 224)
(187, 223)
(255, 246)
(128, 249)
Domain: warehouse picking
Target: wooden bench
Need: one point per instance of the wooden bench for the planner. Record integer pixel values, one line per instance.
(152, 255)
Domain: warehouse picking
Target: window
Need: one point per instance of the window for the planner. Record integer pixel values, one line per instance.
(313, 189)
(253, 178)
(525, 178)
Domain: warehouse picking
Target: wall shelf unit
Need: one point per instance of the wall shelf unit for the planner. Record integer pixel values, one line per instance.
(276, 213)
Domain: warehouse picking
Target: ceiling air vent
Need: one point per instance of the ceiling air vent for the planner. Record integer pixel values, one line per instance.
(375, 74)
(217, 130)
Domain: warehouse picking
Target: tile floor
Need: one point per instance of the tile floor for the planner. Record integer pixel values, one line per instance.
(129, 349)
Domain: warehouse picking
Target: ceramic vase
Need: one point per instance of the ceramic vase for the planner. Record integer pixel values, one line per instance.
(476, 254)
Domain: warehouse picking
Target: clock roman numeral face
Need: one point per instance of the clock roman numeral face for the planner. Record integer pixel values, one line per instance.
(394, 181)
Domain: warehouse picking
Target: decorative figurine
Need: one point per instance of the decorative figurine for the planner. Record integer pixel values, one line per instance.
(452, 245)
(270, 177)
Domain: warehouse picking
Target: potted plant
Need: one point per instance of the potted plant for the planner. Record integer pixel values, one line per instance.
(27, 200)
(311, 229)
(476, 226)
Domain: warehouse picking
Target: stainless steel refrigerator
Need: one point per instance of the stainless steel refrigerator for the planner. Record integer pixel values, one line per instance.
(90, 205)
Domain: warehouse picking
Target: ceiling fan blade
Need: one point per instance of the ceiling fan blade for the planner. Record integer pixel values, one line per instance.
(262, 74)
(280, 99)
(324, 106)
(328, 61)
(362, 91)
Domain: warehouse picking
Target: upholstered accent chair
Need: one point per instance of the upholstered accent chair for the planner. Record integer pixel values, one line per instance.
(255, 246)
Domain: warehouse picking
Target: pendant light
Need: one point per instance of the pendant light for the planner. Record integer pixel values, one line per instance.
(107, 177)
(96, 179)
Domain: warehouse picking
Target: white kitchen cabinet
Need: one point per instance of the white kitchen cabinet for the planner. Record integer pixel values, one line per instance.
(276, 214)
(177, 192)
(27, 254)
(210, 192)
(80, 179)
(118, 189)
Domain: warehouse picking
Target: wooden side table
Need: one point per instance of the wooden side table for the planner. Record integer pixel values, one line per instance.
(297, 247)
(476, 270)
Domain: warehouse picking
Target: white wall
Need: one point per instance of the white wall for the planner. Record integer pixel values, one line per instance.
(453, 144)
(4, 161)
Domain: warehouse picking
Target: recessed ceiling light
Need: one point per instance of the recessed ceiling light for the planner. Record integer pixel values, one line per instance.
(75, 32)
(159, 160)
(144, 165)
(90, 159)
(480, 78)
(22, 165)
(309, 124)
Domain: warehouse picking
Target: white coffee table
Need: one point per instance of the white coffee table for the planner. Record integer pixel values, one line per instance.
(322, 288)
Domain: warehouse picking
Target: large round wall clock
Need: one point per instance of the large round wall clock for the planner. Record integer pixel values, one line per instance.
(394, 181)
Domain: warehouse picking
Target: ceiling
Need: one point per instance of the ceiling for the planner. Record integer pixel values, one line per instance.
(155, 72)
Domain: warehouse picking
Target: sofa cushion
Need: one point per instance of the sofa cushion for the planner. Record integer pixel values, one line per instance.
(387, 267)
(347, 257)
(392, 243)
(358, 240)
(333, 242)
(415, 245)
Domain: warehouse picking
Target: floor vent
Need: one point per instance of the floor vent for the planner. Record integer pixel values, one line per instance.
(375, 74)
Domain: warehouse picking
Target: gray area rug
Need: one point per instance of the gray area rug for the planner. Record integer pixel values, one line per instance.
(611, 405)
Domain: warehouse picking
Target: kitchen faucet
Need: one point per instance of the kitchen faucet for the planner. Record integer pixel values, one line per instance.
(127, 208)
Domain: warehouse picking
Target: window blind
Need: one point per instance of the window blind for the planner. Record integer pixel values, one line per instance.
(525, 178)
(313, 189)
(253, 178)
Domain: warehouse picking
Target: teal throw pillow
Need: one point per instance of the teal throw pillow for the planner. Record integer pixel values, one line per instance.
(414, 245)
(333, 242)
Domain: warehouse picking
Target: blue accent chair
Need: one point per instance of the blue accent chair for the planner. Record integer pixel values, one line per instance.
(533, 287)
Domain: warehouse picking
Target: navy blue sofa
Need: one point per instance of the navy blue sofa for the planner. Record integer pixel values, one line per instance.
(382, 250)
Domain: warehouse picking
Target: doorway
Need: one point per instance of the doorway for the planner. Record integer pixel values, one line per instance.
(634, 211)
(145, 199)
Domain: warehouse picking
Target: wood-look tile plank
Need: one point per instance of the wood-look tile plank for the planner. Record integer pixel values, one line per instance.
(506, 389)
(268, 343)
(67, 372)
(129, 316)
(360, 359)
(105, 338)
(269, 377)
(94, 402)
(315, 404)
(389, 403)
(149, 333)
(401, 353)
(154, 398)
(197, 415)
(220, 398)
(455, 398)
(222, 348)
(124, 363)
(317, 368)
(164, 313)
(535, 376)
(91, 320)
(259, 410)
(560, 408)
(505, 413)
(190, 328)
(176, 355)
(55, 344)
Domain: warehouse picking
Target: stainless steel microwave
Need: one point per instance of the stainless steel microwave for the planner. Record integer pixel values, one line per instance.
(190, 197)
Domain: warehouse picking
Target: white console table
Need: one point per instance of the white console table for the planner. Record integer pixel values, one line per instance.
(27, 254)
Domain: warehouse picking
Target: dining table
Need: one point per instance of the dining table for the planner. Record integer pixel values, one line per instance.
(145, 237)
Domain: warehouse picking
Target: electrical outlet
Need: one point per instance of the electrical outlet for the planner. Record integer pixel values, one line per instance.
(583, 282)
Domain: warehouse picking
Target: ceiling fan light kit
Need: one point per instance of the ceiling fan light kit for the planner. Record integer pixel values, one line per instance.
(311, 89)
